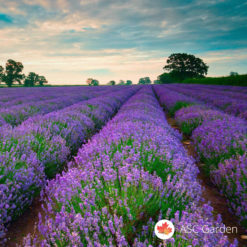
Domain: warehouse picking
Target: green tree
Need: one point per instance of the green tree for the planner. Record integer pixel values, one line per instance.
(92, 82)
(95, 82)
(111, 83)
(182, 66)
(233, 73)
(13, 72)
(157, 81)
(42, 80)
(145, 80)
(31, 79)
(165, 78)
(128, 82)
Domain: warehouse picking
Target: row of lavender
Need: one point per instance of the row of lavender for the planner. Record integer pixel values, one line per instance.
(39, 147)
(9, 98)
(237, 89)
(130, 175)
(12, 94)
(229, 91)
(221, 143)
(14, 112)
(232, 103)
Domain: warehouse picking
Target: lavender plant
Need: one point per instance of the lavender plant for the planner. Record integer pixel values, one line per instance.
(230, 177)
(134, 172)
(219, 139)
(38, 149)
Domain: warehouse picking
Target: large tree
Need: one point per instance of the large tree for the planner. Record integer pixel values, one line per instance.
(145, 80)
(128, 82)
(42, 80)
(13, 72)
(92, 82)
(182, 66)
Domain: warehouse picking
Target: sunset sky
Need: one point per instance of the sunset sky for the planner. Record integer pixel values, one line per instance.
(69, 41)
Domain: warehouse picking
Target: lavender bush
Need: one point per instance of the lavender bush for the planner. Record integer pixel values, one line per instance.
(219, 139)
(132, 173)
(231, 178)
(232, 103)
(173, 101)
(39, 147)
(189, 118)
(24, 105)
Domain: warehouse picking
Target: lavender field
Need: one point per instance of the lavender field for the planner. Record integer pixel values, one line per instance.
(107, 163)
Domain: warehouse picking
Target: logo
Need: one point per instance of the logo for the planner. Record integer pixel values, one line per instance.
(164, 229)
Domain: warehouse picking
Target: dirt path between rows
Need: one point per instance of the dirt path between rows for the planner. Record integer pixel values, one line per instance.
(210, 193)
(25, 224)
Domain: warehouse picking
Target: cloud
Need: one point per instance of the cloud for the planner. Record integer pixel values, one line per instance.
(113, 39)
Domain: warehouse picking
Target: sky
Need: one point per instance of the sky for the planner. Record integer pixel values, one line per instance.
(69, 41)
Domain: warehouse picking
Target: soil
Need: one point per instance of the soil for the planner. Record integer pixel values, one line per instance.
(211, 193)
(24, 224)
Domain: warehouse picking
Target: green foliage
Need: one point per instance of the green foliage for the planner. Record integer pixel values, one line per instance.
(164, 78)
(92, 82)
(42, 80)
(31, 79)
(111, 83)
(178, 106)
(12, 72)
(182, 66)
(122, 82)
(188, 127)
(236, 80)
(157, 81)
(232, 73)
(95, 82)
(145, 80)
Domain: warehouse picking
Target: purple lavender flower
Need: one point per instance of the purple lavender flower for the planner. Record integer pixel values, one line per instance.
(231, 179)
(136, 165)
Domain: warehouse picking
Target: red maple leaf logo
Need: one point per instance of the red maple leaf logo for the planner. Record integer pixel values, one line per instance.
(164, 229)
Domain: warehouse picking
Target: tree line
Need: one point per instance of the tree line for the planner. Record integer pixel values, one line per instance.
(94, 82)
(180, 67)
(12, 73)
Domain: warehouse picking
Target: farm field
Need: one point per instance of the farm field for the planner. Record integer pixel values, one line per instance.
(107, 163)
